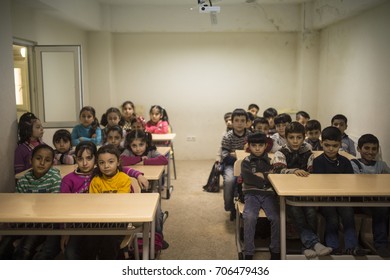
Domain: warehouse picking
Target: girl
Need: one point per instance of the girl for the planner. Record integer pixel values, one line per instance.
(109, 178)
(138, 123)
(158, 122)
(63, 154)
(112, 117)
(139, 149)
(114, 136)
(30, 132)
(88, 129)
(128, 114)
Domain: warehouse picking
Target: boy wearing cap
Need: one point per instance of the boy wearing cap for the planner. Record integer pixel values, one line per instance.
(259, 194)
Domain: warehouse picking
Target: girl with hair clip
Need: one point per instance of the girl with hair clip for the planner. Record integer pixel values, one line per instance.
(139, 149)
(158, 123)
(88, 129)
(128, 114)
(30, 131)
(63, 153)
(112, 117)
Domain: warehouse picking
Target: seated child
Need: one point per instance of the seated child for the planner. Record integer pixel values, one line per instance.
(331, 162)
(158, 122)
(368, 147)
(253, 109)
(261, 125)
(42, 178)
(295, 157)
(128, 114)
(138, 123)
(30, 131)
(88, 129)
(114, 136)
(313, 133)
(302, 117)
(347, 144)
(269, 114)
(228, 121)
(139, 149)
(259, 194)
(279, 138)
(112, 117)
(249, 123)
(233, 140)
(63, 153)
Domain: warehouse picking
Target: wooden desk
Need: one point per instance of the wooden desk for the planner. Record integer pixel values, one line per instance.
(311, 191)
(79, 214)
(64, 169)
(163, 137)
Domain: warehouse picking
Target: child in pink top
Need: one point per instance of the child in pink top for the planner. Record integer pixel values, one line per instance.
(158, 122)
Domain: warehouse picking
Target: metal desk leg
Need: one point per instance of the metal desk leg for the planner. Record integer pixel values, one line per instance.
(145, 239)
(153, 236)
(283, 240)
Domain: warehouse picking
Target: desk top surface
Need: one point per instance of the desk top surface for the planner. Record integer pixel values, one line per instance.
(241, 154)
(163, 137)
(77, 208)
(331, 184)
(151, 172)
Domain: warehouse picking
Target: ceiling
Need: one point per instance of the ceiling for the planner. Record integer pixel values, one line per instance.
(184, 15)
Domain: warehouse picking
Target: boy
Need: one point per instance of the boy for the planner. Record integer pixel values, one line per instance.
(296, 158)
(331, 162)
(347, 144)
(302, 117)
(228, 120)
(259, 194)
(269, 114)
(261, 125)
(368, 147)
(233, 140)
(313, 133)
(253, 109)
(281, 121)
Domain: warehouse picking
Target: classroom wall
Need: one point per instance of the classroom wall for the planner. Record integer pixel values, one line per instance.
(8, 102)
(354, 74)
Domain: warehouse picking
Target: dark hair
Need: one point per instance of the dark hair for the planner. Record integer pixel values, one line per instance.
(227, 115)
(163, 112)
(260, 120)
(95, 123)
(313, 125)
(251, 106)
(270, 113)
(282, 118)
(331, 133)
(144, 136)
(138, 119)
(131, 104)
(108, 149)
(116, 128)
(257, 137)
(295, 127)
(367, 138)
(62, 134)
(303, 114)
(104, 121)
(85, 146)
(42, 147)
(239, 112)
(339, 117)
(25, 127)
(250, 117)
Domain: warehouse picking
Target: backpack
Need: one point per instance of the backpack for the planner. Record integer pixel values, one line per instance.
(213, 180)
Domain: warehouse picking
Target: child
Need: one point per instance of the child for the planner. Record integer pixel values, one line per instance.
(112, 117)
(270, 114)
(302, 117)
(158, 122)
(63, 153)
(331, 162)
(138, 123)
(228, 121)
(261, 125)
(253, 109)
(279, 138)
(368, 147)
(109, 178)
(114, 135)
(249, 123)
(347, 144)
(259, 194)
(233, 140)
(313, 133)
(30, 132)
(42, 178)
(296, 158)
(128, 114)
(88, 129)
(139, 149)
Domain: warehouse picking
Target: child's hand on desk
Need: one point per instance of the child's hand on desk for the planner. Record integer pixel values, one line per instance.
(301, 173)
(143, 159)
(143, 182)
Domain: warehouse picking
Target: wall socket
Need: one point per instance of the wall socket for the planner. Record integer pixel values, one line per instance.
(191, 138)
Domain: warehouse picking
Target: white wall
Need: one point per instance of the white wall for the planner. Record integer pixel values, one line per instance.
(354, 75)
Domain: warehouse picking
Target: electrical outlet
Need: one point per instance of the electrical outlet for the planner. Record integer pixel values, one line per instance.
(191, 138)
